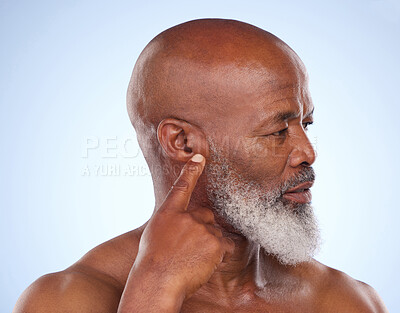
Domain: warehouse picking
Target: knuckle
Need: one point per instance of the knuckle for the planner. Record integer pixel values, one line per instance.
(192, 168)
(187, 219)
(181, 185)
(207, 213)
(214, 244)
(218, 232)
(211, 216)
(201, 228)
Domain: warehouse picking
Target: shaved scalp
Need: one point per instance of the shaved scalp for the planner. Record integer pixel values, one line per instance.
(188, 71)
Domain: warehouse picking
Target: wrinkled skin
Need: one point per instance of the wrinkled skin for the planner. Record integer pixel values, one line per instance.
(226, 81)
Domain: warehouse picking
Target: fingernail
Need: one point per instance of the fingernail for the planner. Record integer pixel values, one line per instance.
(198, 158)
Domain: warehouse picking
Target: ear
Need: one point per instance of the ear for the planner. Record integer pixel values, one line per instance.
(181, 140)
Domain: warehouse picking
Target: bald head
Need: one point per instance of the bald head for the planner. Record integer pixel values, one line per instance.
(203, 71)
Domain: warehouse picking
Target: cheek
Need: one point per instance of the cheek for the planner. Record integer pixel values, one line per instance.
(261, 160)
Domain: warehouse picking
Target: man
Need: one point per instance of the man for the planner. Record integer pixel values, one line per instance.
(221, 109)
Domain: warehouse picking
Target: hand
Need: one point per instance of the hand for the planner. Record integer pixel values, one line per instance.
(183, 246)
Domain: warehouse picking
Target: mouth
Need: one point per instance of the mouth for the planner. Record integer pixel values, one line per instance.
(300, 194)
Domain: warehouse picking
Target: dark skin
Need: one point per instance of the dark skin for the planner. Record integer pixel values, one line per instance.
(247, 91)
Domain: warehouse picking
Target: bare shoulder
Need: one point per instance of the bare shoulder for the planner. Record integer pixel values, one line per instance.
(338, 292)
(114, 257)
(69, 291)
(93, 284)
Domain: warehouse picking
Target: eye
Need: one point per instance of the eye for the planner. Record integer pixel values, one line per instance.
(306, 124)
(280, 133)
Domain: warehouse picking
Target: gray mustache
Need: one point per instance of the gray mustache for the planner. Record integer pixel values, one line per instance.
(305, 175)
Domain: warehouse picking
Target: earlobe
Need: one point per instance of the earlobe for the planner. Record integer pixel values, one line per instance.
(181, 140)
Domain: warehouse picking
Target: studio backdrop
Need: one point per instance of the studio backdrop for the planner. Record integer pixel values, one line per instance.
(73, 176)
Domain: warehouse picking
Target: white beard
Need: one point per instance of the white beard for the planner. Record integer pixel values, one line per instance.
(285, 230)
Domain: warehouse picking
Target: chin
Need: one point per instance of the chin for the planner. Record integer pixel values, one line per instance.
(293, 205)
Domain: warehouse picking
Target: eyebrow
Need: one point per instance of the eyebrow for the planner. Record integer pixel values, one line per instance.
(283, 116)
(310, 113)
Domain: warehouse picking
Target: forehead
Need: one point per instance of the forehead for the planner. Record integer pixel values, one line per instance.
(250, 93)
(270, 71)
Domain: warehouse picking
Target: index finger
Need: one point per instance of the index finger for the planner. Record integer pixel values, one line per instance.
(179, 195)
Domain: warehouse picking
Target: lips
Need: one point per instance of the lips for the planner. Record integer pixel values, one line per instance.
(301, 193)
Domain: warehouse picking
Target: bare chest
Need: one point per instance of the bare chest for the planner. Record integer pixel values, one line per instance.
(252, 304)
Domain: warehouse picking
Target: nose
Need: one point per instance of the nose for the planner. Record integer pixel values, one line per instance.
(303, 152)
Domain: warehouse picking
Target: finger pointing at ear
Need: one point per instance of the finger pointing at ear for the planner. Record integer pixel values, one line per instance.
(179, 195)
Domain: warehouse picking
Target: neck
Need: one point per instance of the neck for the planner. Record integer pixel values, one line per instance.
(250, 270)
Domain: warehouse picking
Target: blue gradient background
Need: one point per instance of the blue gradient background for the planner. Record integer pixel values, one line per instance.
(65, 66)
